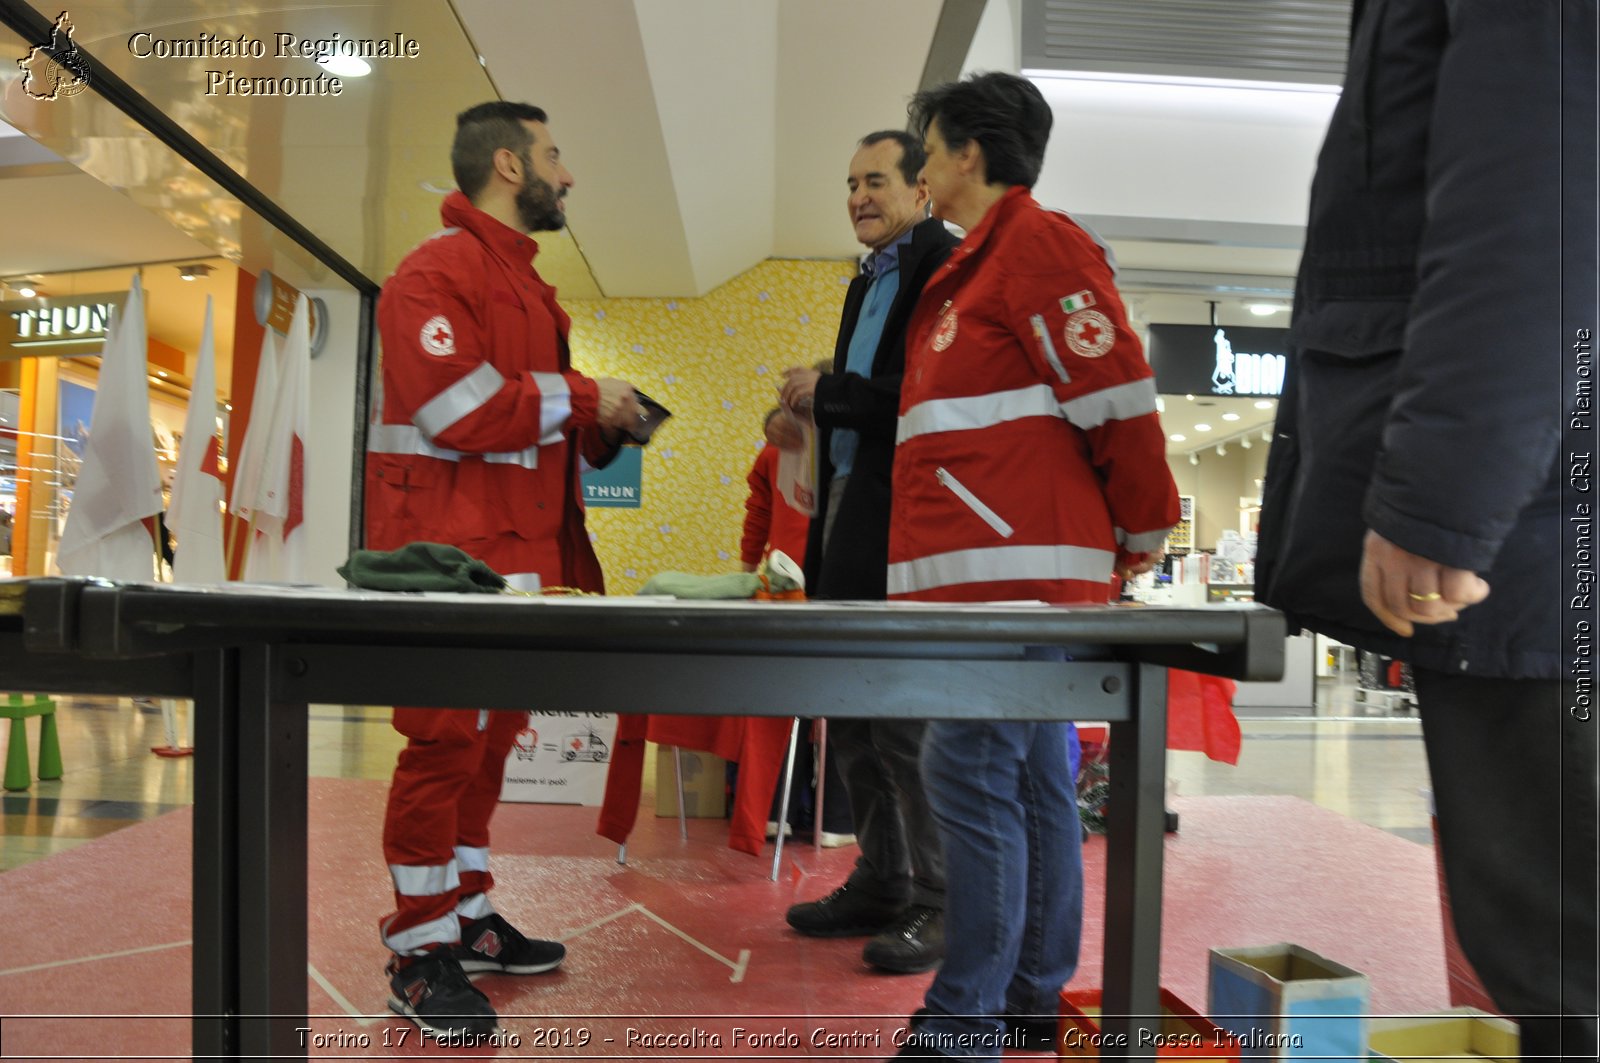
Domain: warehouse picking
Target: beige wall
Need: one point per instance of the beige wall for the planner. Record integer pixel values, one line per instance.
(1217, 484)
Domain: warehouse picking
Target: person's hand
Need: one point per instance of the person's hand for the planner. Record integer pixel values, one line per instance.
(745, 566)
(784, 432)
(799, 389)
(619, 405)
(1403, 589)
(1131, 565)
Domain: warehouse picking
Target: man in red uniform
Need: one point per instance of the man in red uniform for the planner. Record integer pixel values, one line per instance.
(482, 431)
(1029, 464)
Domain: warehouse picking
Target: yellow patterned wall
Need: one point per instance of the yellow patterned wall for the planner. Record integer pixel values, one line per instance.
(716, 362)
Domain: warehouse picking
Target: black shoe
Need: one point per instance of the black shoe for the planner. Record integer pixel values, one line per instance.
(1031, 1033)
(913, 943)
(492, 944)
(916, 1046)
(433, 992)
(845, 912)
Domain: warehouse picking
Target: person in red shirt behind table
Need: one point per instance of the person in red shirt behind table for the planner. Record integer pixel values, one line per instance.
(482, 426)
(1029, 464)
(769, 520)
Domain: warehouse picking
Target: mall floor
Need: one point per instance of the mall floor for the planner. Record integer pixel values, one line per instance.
(1319, 836)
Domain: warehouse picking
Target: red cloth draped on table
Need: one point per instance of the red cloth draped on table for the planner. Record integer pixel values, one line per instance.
(1200, 715)
(757, 743)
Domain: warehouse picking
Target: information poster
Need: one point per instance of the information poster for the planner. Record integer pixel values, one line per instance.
(560, 758)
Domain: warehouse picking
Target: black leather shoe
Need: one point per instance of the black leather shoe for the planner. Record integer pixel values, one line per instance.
(1031, 1033)
(845, 912)
(912, 944)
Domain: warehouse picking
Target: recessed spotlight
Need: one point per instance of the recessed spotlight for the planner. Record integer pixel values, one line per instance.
(1264, 309)
(1202, 428)
(162, 373)
(1263, 404)
(1177, 437)
(345, 66)
(1189, 397)
(1230, 417)
(194, 271)
(27, 292)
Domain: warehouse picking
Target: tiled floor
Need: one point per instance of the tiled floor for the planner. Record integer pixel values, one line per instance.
(1369, 768)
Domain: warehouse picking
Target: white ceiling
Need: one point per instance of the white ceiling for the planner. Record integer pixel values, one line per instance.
(705, 136)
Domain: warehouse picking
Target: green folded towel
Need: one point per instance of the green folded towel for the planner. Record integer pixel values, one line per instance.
(421, 567)
(688, 585)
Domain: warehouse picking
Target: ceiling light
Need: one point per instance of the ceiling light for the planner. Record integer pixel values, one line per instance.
(26, 292)
(1245, 442)
(1264, 309)
(1266, 435)
(1189, 397)
(345, 66)
(1193, 460)
(1177, 437)
(1202, 428)
(1222, 450)
(1230, 417)
(162, 373)
(194, 271)
(1263, 404)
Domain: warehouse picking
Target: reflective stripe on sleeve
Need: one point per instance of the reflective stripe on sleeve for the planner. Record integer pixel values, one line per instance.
(1123, 402)
(555, 406)
(409, 439)
(472, 392)
(976, 411)
(426, 881)
(1141, 542)
(996, 563)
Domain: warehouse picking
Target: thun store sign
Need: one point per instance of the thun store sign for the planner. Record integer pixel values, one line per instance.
(59, 326)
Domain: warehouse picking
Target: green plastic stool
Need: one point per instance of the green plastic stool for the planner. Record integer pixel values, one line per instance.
(17, 708)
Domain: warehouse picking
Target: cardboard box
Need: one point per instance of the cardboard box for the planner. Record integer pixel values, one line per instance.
(1183, 1034)
(1286, 1002)
(705, 784)
(1457, 1034)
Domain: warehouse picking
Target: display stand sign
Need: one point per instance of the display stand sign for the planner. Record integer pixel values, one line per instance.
(1214, 360)
(618, 485)
(560, 758)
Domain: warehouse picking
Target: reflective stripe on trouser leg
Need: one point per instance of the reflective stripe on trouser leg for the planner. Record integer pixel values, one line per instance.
(416, 940)
(472, 903)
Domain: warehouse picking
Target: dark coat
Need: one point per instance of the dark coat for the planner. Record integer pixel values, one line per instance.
(857, 566)
(1448, 268)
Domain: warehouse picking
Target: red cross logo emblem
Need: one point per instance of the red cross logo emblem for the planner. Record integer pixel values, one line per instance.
(438, 338)
(1090, 334)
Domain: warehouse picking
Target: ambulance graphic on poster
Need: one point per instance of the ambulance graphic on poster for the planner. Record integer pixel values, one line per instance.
(560, 758)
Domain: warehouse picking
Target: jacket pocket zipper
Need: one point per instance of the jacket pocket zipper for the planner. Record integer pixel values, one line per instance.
(974, 503)
(1042, 333)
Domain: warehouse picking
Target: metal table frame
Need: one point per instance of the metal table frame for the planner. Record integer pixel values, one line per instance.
(253, 658)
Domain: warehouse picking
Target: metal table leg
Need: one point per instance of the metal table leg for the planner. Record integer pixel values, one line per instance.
(215, 992)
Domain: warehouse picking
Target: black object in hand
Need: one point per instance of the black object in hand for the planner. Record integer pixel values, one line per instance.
(651, 414)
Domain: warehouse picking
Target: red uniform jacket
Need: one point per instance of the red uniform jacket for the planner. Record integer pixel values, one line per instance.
(1029, 455)
(481, 419)
(768, 517)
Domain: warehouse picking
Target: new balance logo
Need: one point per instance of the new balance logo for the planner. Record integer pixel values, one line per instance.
(416, 991)
(488, 944)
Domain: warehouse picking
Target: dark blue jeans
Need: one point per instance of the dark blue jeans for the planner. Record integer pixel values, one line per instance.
(1004, 797)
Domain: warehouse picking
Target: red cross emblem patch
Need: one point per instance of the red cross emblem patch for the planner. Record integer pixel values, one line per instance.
(1090, 334)
(438, 338)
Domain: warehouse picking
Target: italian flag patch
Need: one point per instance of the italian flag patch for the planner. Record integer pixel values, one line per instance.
(1073, 303)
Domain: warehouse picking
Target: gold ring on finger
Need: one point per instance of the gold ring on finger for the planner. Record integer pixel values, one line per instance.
(1431, 596)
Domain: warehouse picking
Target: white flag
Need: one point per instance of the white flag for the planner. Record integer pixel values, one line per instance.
(119, 483)
(253, 449)
(280, 500)
(194, 515)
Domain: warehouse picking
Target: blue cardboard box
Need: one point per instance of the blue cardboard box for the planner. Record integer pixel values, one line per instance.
(1286, 1002)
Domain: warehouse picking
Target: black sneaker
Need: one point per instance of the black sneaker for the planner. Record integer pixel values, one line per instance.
(844, 913)
(492, 944)
(433, 992)
(911, 944)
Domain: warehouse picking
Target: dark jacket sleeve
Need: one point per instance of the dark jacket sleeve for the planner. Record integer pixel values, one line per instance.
(1472, 430)
(850, 400)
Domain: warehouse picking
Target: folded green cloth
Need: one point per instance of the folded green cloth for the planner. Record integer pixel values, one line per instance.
(688, 585)
(421, 567)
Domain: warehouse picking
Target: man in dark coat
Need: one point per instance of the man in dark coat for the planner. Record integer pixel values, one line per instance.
(1420, 499)
(896, 892)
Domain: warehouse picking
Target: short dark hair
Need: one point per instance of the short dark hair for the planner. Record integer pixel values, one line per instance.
(911, 154)
(1006, 114)
(485, 129)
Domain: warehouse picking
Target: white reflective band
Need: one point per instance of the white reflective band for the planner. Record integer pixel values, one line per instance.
(409, 439)
(483, 719)
(1120, 403)
(974, 503)
(1141, 542)
(472, 859)
(996, 563)
(467, 395)
(474, 907)
(451, 231)
(429, 881)
(555, 406)
(977, 411)
(1048, 347)
(444, 930)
